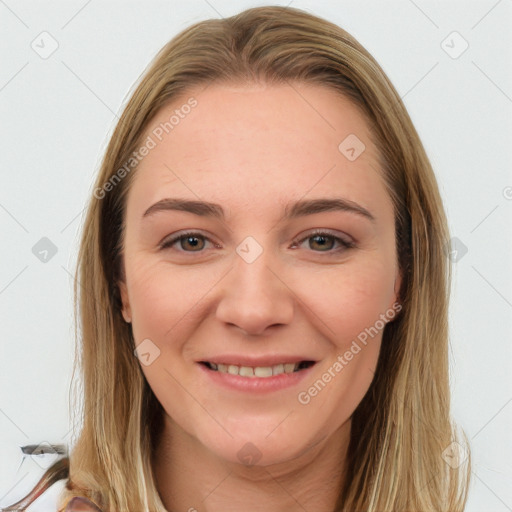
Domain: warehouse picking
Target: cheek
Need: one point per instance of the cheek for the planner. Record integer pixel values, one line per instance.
(355, 300)
(161, 298)
(350, 298)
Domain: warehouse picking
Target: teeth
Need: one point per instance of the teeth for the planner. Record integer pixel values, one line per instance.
(290, 367)
(257, 371)
(246, 371)
(262, 371)
(277, 369)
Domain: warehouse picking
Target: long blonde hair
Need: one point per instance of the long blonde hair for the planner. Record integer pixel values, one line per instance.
(402, 428)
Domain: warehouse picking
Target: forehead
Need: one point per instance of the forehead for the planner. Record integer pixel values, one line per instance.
(260, 143)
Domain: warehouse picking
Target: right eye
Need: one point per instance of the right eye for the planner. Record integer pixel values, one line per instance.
(192, 239)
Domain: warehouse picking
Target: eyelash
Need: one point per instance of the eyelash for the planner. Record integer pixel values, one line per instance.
(344, 243)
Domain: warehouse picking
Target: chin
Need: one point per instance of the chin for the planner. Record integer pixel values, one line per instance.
(254, 446)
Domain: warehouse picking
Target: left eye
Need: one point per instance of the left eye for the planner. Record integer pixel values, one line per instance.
(321, 239)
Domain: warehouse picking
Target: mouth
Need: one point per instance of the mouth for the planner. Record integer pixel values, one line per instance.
(258, 371)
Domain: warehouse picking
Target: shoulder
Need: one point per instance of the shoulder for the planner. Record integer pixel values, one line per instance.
(48, 500)
(81, 505)
(37, 483)
(41, 479)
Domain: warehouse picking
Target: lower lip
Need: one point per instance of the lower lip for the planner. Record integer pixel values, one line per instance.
(256, 384)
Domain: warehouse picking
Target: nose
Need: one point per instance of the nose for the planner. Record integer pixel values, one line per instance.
(255, 296)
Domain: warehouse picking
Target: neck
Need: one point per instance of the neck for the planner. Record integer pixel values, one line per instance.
(191, 478)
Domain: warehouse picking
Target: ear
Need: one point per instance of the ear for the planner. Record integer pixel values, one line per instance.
(395, 306)
(126, 310)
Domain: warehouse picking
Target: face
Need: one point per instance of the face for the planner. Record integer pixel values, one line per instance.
(259, 318)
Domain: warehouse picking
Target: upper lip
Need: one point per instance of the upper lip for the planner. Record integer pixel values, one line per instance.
(242, 360)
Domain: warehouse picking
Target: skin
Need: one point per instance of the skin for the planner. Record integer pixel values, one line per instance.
(253, 149)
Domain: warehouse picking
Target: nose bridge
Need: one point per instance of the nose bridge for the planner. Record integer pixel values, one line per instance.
(252, 269)
(254, 297)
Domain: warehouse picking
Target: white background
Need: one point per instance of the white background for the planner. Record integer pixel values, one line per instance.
(55, 118)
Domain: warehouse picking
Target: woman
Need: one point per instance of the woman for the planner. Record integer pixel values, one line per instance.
(267, 237)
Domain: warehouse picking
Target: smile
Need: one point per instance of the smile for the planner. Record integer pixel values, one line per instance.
(258, 371)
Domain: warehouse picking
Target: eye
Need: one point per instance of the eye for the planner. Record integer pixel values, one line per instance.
(188, 240)
(325, 241)
(192, 241)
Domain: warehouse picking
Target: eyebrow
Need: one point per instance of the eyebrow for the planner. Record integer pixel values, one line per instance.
(292, 210)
